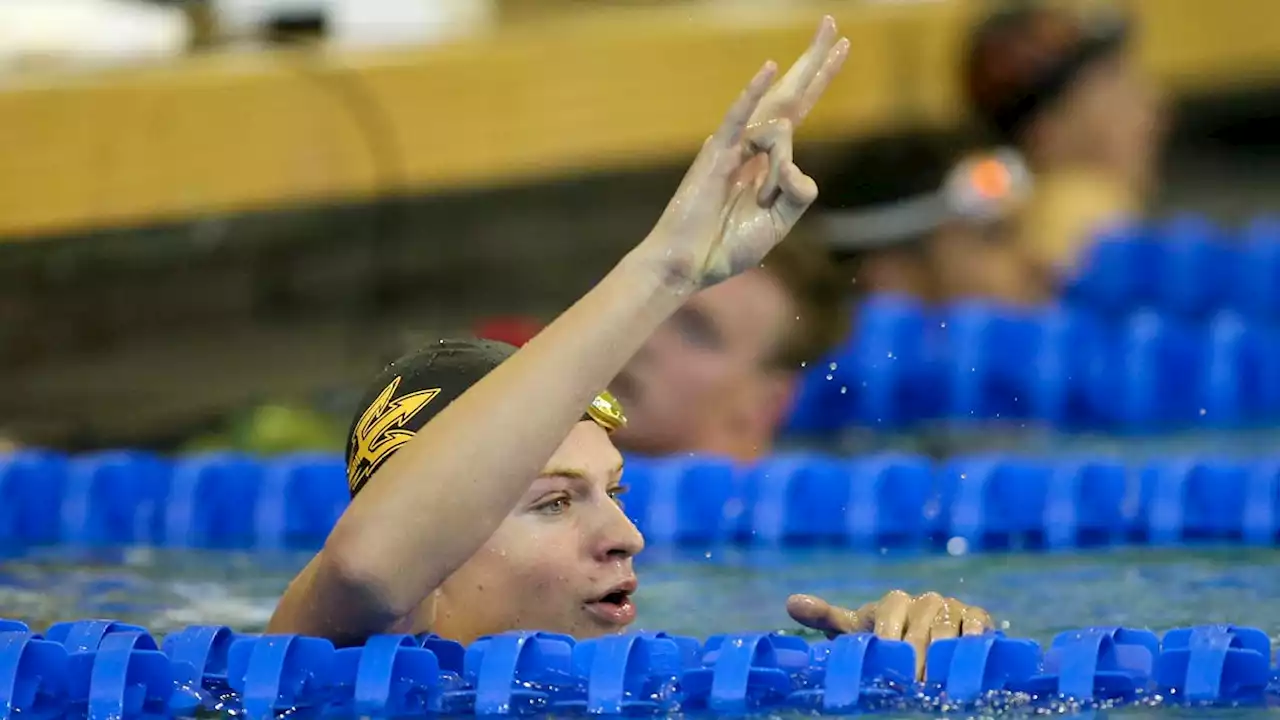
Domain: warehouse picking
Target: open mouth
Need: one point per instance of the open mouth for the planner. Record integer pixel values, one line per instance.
(615, 607)
(617, 597)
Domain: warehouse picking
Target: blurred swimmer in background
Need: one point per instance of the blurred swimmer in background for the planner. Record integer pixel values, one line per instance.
(938, 224)
(1065, 88)
(720, 375)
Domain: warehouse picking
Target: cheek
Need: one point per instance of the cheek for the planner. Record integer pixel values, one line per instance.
(705, 373)
(534, 558)
(684, 378)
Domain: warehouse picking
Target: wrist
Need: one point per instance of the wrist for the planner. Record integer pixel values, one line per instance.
(667, 274)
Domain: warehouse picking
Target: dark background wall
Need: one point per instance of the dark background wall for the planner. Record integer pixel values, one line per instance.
(143, 336)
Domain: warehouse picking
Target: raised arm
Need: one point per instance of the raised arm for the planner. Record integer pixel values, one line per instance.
(435, 502)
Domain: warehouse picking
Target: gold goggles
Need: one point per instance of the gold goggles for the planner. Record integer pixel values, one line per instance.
(606, 411)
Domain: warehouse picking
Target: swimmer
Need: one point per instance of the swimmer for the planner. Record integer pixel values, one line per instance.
(721, 375)
(502, 512)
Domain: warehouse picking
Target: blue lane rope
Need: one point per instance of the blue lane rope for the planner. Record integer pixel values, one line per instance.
(108, 671)
(1061, 367)
(971, 503)
(1164, 325)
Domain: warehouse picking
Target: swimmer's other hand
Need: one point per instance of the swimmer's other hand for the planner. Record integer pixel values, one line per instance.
(743, 193)
(917, 620)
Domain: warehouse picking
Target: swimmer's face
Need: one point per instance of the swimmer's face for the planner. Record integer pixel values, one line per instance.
(703, 382)
(561, 560)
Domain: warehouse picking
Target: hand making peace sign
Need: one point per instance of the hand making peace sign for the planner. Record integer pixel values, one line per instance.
(743, 193)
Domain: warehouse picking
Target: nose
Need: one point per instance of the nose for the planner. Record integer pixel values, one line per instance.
(618, 539)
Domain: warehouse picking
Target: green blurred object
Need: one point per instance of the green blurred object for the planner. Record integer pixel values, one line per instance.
(272, 430)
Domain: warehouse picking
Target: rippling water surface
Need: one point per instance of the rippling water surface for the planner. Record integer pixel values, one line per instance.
(707, 592)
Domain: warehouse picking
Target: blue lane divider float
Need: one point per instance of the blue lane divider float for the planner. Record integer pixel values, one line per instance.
(392, 674)
(198, 657)
(965, 669)
(976, 502)
(1103, 664)
(855, 672)
(1216, 662)
(1186, 265)
(1067, 368)
(743, 673)
(103, 669)
(631, 674)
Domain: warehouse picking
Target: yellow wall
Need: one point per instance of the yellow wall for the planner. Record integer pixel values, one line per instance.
(608, 88)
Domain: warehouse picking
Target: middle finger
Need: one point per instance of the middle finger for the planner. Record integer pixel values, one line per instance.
(830, 68)
(787, 96)
(920, 618)
(806, 68)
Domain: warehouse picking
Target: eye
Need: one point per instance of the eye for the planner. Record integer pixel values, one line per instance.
(553, 505)
(616, 493)
(696, 329)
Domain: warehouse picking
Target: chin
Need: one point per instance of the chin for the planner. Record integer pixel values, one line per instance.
(596, 631)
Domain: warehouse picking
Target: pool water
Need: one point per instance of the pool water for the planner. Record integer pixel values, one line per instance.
(705, 592)
(701, 593)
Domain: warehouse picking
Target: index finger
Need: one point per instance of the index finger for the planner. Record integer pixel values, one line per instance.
(818, 614)
(735, 122)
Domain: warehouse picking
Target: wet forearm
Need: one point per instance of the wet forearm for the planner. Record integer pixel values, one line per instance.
(441, 496)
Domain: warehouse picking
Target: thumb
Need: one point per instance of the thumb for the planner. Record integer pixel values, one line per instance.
(818, 614)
